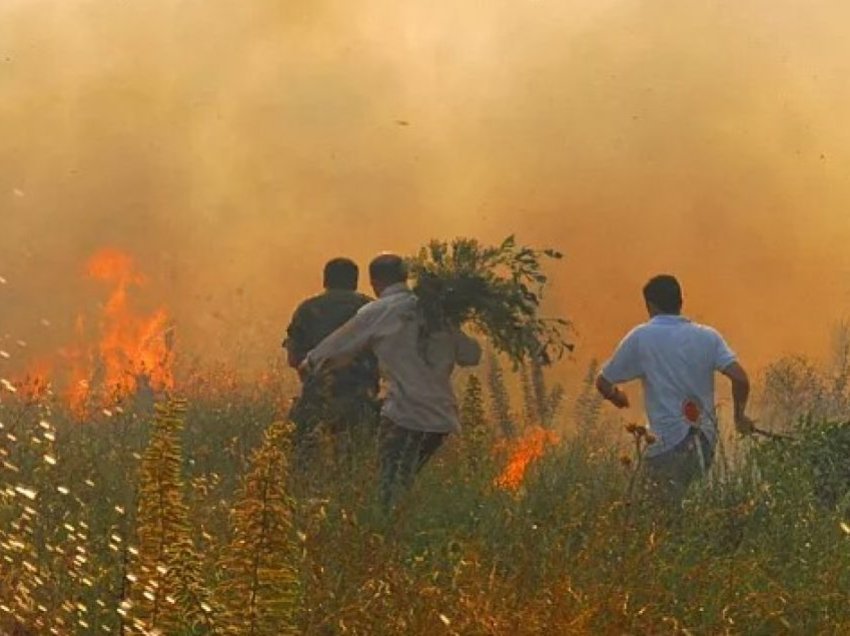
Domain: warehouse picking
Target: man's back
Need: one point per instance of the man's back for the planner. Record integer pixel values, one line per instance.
(418, 371)
(420, 394)
(318, 317)
(676, 360)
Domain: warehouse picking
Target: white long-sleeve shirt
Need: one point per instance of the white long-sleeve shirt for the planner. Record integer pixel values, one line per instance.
(419, 394)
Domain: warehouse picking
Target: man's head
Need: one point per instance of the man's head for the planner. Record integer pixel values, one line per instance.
(386, 270)
(341, 273)
(663, 295)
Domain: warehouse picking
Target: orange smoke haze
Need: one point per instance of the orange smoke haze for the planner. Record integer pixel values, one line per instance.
(231, 148)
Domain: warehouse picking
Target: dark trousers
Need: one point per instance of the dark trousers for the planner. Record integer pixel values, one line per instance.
(670, 474)
(403, 453)
(348, 422)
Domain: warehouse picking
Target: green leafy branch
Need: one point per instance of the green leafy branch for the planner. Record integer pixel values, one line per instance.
(498, 289)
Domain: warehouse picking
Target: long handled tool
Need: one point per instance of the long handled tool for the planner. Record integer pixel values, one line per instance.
(772, 435)
(692, 411)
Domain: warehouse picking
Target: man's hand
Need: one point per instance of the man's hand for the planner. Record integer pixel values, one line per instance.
(304, 369)
(740, 394)
(744, 425)
(614, 394)
(619, 398)
(307, 367)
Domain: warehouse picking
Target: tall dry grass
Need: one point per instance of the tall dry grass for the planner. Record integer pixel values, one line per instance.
(762, 545)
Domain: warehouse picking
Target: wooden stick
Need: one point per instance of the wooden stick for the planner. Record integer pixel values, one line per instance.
(772, 435)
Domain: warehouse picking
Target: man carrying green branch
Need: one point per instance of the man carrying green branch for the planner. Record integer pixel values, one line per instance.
(420, 409)
(676, 360)
(345, 397)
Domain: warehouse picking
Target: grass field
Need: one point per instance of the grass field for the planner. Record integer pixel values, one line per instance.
(133, 523)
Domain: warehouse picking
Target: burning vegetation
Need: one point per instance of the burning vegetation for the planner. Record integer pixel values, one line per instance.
(522, 453)
(116, 354)
(617, 128)
(191, 519)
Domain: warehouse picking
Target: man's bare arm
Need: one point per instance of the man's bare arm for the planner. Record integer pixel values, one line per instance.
(292, 359)
(740, 396)
(614, 394)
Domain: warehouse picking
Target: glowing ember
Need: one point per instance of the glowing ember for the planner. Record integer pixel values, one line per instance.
(526, 450)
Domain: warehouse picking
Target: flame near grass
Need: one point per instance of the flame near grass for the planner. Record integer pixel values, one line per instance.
(132, 346)
(526, 450)
(114, 354)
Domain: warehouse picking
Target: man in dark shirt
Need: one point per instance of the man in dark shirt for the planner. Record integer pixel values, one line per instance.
(346, 396)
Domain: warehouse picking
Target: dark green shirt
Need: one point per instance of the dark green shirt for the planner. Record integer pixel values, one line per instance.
(317, 318)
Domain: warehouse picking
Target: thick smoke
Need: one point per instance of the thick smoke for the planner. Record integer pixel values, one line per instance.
(232, 147)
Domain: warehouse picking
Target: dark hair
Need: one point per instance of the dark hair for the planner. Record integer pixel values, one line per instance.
(341, 273)
(665, 293)
(388, 269)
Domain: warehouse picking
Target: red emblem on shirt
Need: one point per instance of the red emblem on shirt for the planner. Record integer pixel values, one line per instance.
(691, 411)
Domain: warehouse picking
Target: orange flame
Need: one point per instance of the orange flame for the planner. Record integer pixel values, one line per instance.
(34, 383)
(80, 364)
(133, 352)
(528, 448)
(132, 348)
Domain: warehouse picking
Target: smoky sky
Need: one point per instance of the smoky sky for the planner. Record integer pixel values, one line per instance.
(233, 147)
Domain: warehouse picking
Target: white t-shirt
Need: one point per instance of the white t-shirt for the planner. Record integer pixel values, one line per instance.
(676, 360)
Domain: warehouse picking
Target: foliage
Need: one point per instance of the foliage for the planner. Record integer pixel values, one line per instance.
(540, 404)
(499, 397)
(817, 454)
(498, 289)
(530, 405)
(795, 386)
(169, 593)
(588, 404)
(473, 420)
(260, 587)
(571, 552)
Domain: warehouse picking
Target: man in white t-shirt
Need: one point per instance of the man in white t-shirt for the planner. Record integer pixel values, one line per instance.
(676, 360)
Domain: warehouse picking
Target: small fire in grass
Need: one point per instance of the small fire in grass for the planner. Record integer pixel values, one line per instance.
(523, 452)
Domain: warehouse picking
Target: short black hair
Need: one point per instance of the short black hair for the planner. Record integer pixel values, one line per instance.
(388, 269)
(341, 273)
(665, 293)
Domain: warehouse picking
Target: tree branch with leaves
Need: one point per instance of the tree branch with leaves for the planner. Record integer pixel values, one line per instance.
(497, 289)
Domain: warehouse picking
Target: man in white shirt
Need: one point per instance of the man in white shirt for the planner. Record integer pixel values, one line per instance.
(676, 360)
(420, 409)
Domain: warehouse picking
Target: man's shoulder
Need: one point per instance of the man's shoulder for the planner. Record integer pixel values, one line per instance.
(307, 306)
(705, 330)
(329, 304)
(362, 299)
(397, 304)
(337, 297)
(637, 331)
(372, 305)
(703, 336)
